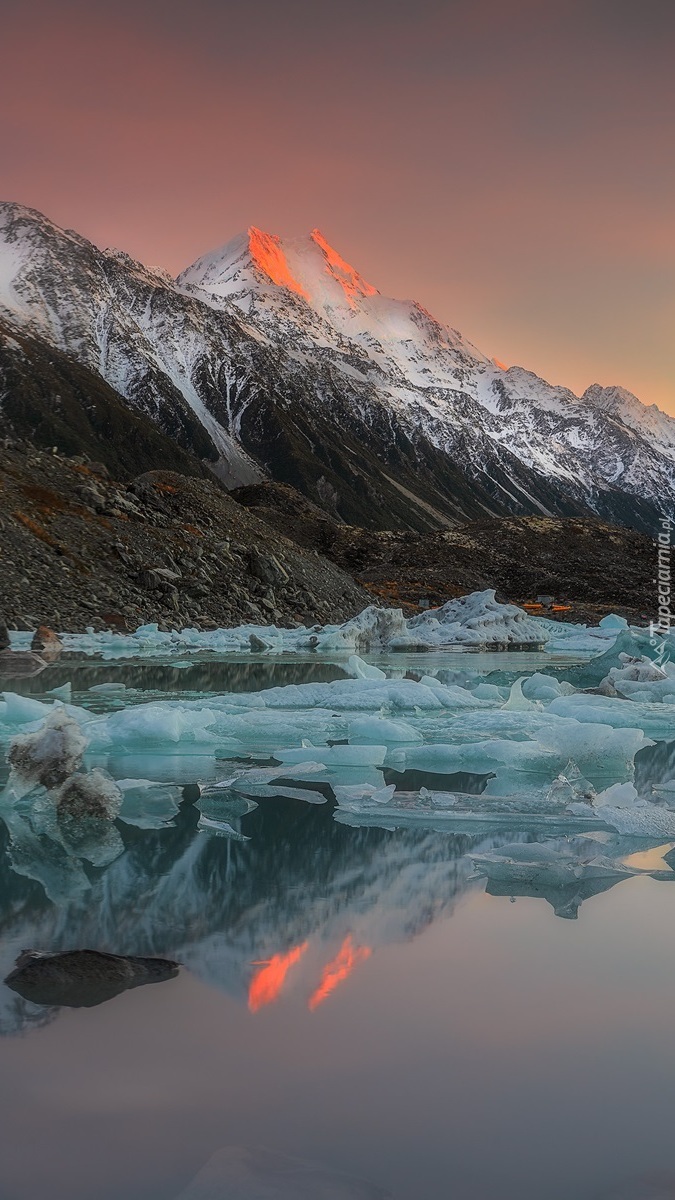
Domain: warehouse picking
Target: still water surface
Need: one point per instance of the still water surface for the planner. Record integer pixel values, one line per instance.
(351, 995)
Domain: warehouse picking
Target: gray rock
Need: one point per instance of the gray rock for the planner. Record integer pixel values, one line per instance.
(267, 568)
(258, 646)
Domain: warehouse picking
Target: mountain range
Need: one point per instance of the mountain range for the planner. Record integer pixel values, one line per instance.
(271, 358)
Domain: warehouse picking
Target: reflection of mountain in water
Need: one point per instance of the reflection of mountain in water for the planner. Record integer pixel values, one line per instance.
(197, 675)
(221, 906)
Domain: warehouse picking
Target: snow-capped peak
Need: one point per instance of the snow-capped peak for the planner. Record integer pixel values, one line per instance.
(307, 267)
(647, 420)
(306, 287)
(266, 323)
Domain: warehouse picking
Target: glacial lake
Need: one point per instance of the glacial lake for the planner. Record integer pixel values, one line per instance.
(351, 994)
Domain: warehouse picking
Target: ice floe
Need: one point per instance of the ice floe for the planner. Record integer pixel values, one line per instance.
(441, 747)
(473, 622)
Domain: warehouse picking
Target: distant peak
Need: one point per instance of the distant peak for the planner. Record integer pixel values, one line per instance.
(352, 283)
(268, 256)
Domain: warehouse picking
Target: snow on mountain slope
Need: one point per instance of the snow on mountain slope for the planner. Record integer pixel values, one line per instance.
(592, 441)
(281, 358)
(269, 279)
(122, 321)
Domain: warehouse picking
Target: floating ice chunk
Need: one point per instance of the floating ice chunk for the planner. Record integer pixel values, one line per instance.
(21, 710)
(147, 804)
(619, 795)
(632, 642)
(544, 687)
(453, 696)
(611, 621)
(344, 756)
(108, 689)
(225, 805)
(578, 639)
(307, 795)
(438, 799)
(362, 670)
(253, 776)
(63, 693)
(640, 820)
(656, 720)
(597, 749)
(518, 702)
(222, 798)
(475, 620)
(359, 796)
(571, 787)
(162, 723)
(357, 695)
(242, 1173)
(373, 628)
(640, 679)
(379, 730)
(488, 691)
(48, 756)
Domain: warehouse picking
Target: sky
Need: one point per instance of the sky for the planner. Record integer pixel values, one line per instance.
(508, 163)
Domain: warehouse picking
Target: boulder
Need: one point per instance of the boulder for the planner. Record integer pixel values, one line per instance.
(47, 643)
(83, 978)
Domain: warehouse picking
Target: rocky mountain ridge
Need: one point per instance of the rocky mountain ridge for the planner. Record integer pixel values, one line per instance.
(586, 566)
(79, 548)
(274, 358)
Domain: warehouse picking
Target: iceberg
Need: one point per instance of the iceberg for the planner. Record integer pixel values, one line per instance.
(477, 620)
(48, 756)
(146, 803)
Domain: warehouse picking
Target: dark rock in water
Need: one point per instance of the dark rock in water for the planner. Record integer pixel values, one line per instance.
(83, 978)
(20, 664)
(4, 634)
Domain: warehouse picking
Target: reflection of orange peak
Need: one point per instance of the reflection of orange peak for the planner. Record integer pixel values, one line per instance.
(266, 985)
(352, 283)
(266, 252)
(347, 957)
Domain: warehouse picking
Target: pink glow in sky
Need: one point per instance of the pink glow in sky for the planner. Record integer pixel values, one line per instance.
(509, 164)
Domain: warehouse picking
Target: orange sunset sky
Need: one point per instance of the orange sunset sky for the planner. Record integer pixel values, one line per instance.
(511, 165)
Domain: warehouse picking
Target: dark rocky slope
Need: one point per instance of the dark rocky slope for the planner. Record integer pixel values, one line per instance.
(52, 400)
(78, 548)
(584, 563)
